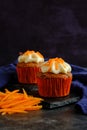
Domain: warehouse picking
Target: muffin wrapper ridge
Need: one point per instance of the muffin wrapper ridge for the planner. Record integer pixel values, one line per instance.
(54, 87)
(27, 74)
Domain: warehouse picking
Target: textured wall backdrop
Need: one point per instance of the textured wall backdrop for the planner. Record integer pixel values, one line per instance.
(55, 28)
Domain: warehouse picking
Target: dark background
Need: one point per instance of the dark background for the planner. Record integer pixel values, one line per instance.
(56, 28)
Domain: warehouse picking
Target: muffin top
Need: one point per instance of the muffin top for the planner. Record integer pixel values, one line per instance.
(56, 66)
(31, 56)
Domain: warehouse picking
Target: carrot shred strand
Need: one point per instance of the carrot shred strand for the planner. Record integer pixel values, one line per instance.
(16, 102)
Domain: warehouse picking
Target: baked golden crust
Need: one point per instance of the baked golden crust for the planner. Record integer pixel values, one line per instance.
(29, 64)
(54, 85)
(51, 75)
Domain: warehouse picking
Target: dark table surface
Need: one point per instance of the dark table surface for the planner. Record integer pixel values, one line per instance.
(65, 118)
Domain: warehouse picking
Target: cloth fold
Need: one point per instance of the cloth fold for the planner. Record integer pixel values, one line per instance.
(79, 83)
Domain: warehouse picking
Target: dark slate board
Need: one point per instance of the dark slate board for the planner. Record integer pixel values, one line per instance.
(48, 103)
(60, 102)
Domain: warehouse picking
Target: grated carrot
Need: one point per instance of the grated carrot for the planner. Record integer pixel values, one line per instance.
(16, 102)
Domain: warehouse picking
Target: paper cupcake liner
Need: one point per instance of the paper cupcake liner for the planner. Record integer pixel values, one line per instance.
(54, 87)
(27, 74)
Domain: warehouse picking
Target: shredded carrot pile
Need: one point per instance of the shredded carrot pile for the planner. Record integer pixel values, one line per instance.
(16, 102)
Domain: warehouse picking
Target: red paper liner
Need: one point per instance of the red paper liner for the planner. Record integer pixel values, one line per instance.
(27, 74)
(54, 87)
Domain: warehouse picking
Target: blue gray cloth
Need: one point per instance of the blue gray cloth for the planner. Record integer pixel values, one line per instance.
(79, 83)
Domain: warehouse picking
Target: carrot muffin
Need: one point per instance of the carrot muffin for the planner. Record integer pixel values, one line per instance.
(55, 78)
(28, 66)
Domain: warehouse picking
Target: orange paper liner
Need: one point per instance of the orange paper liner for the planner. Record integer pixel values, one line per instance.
(27, 74)
(54, 87)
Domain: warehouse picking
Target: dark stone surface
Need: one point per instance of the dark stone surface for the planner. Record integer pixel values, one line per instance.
(64, 118)
(55, 28)
(48, 103)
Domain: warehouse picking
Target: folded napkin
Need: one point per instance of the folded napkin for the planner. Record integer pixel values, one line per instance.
(8, 74)
(79, 83)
